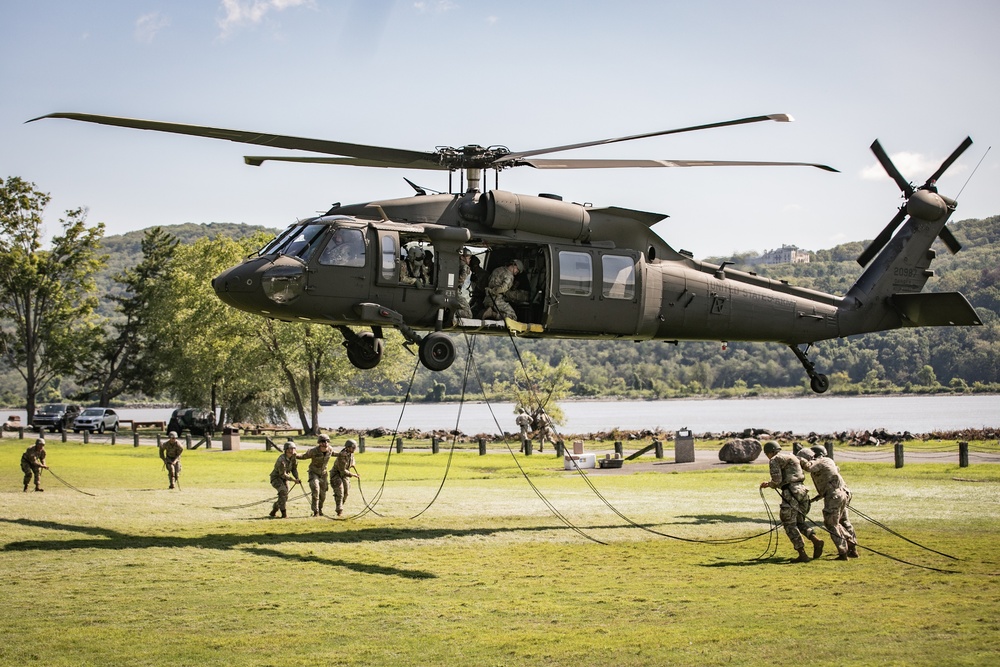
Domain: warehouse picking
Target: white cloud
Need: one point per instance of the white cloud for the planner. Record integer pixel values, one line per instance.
(437, 6)
(915, 167)
(239, 13)
(149, 25)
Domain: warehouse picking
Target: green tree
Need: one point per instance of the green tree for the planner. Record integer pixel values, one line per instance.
(46, 296)
(127, 354)
(216, 358)
(539, 384)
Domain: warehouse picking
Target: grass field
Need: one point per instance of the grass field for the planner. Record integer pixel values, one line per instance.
(487, 575)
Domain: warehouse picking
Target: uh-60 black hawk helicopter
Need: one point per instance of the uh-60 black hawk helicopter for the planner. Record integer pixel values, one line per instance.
(581, 271)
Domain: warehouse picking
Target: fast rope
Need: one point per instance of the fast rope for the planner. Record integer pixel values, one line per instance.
(772, 540)
(70, 485)
(893, 532)
(257, 502)
(458, 420)
(370, 506)
(880, 553)
(608, 504)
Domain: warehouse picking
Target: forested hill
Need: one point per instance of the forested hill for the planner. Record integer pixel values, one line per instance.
(910, 357)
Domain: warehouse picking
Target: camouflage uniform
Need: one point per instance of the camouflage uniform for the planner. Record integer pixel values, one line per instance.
(499, 293)
(340, 477)
(830, 487)
(412, 272)
(285, 469)
(170, 453)
(318, 475)
(464, 274)
(524, 421)
(545, 431)
(32, 463)
(787, 476)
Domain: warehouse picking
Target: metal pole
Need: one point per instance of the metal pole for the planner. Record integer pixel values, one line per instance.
(434, 444)
(399, 445)
(619, 450)
(898, 450)
(963, 454)
(482, 446)
(361, 444)
(658, 446)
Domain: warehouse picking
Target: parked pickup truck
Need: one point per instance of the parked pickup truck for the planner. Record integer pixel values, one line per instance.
(56, 416)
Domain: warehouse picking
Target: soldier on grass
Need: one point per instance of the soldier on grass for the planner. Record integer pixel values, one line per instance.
(340, 476)
(319, 458)
(787, 477)
(831, 488)
(32, 463)
(170, 454)
(285, 470)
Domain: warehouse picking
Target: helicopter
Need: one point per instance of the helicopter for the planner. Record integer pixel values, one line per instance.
(575, 270)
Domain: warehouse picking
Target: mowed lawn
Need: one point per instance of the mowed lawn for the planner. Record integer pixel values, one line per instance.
(499, 568)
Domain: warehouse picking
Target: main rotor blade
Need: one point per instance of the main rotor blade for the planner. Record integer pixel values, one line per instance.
(258, 160)
(876, 246)
(545, 163)
(890, 169)
(951, 158)
(376, 153)
(781, 118)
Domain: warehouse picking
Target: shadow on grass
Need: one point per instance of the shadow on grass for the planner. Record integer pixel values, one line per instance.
(773, 560)
(104, 538)
(699, 519)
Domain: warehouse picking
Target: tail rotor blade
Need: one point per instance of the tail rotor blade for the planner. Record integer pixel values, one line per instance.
(890, 169)
(949, 240)
(947, 163)
(875, 246)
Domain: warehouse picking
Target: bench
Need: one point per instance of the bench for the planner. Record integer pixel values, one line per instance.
(136, 425)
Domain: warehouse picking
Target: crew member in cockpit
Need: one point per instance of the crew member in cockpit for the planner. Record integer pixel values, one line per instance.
(346, 248)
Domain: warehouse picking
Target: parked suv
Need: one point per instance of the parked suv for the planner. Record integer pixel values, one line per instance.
(56, 416)
(96, 419)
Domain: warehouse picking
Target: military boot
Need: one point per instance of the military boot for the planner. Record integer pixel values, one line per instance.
(803, 558)
(817, 546)
(38, 488)
(284, 514)
(274, 512)
(25, 488)
(842, 556)
(852, 551)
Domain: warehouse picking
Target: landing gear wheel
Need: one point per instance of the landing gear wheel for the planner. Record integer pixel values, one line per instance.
(819, 383)
(437, 352)
(365, 353)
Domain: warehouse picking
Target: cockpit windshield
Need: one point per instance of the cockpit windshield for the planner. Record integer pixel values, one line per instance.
(298, 241)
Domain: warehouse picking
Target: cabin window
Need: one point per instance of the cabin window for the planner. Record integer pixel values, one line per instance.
(619, 277)
(388, 257)
(346, 248)
(576, 273)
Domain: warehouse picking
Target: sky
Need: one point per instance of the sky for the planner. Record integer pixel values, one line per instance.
(919, 76)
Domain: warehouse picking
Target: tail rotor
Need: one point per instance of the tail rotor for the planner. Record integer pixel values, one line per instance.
(923, 202)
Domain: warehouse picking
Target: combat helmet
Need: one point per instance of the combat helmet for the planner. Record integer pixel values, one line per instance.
(351, 443)
(805, 454)
(819, 451)
(772, 447)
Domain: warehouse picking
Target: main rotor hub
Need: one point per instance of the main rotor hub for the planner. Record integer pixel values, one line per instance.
(472, 156)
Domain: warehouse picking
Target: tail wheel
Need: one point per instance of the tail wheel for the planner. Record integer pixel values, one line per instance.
(366, 353)
(819, 383)
(437, 351)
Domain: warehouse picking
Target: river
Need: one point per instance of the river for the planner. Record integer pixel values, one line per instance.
(823, 414)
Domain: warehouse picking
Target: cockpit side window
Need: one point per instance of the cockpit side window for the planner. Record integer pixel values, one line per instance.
(345, 248)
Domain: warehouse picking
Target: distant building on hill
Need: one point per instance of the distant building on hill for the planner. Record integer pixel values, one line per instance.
(786, 254)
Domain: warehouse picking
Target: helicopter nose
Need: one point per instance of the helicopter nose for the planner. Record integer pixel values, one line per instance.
(258, 286)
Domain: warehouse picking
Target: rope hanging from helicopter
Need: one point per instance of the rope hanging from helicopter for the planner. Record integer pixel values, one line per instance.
(615, 510)
(458, 419)
(869, 549)
(370, 505)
